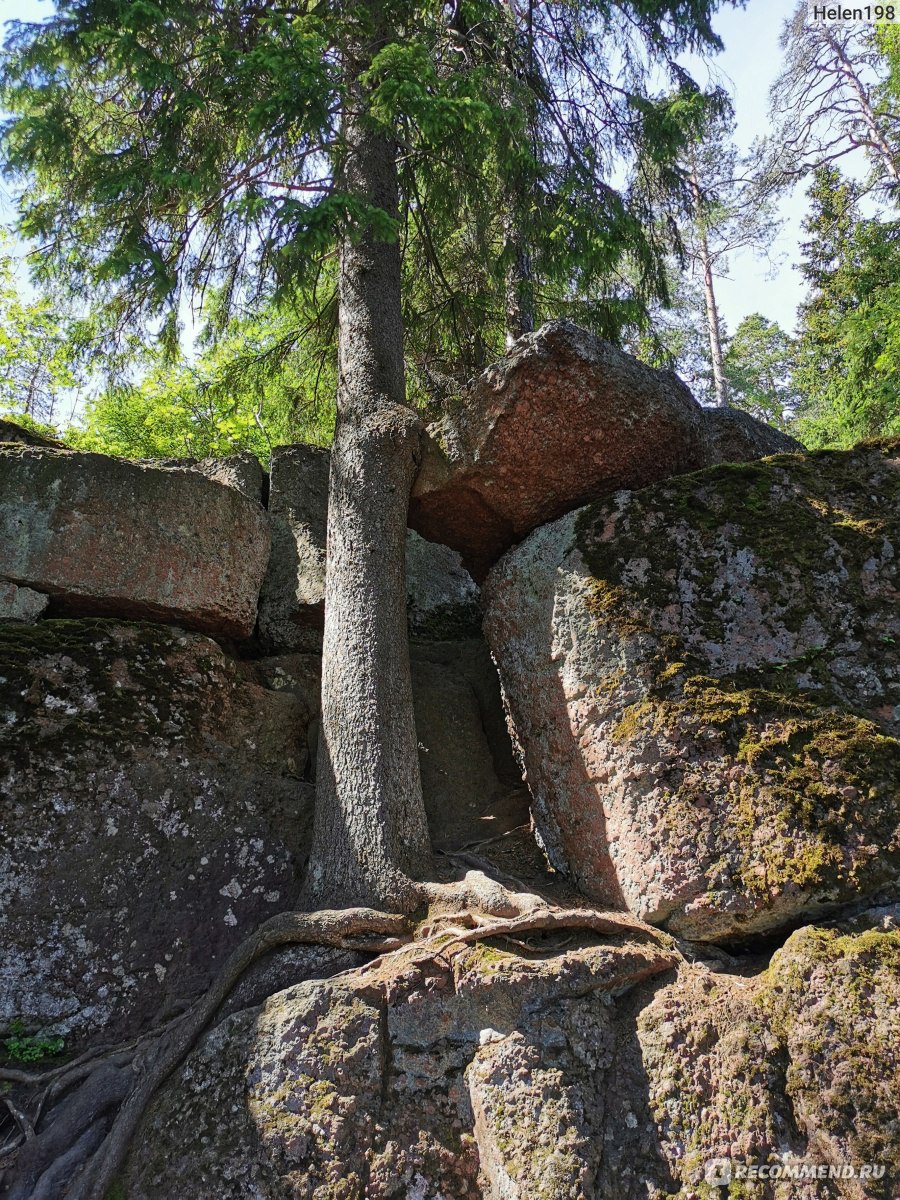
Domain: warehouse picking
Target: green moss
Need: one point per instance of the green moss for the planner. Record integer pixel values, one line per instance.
(830, 995)
(795, 514)
(812, 778)
(636, 718)
(484, 959)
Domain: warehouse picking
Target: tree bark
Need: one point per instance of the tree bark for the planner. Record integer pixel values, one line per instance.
(519, 316)
(716, 354)
(519, 306)
(370, 834)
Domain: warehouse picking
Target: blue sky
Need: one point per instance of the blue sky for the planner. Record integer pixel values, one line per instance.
(747, 66)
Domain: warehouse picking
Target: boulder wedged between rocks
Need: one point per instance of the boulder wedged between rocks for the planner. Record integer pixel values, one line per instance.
(564, 418)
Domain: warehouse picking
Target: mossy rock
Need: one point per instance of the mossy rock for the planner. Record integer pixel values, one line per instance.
(796, 1062)
(151, 813)
(717, 661)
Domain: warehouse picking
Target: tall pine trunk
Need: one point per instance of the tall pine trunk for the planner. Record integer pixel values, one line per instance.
(519, 297)
(714, 328)
(720, 385)
(370, 835)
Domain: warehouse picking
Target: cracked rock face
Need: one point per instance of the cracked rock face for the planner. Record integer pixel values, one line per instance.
(104, 536)
(151, 815)
(704, 680)
(394, 1081)
(563, 418)
(594, 1071)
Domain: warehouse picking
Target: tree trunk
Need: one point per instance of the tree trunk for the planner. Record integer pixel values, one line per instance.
(519, 316)
(716, 354)
(370, 835)
(519, 306)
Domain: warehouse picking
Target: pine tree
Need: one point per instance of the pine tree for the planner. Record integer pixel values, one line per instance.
(728, 214)
(830, 100)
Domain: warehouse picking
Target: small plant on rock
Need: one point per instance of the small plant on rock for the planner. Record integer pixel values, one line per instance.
(22, 1048)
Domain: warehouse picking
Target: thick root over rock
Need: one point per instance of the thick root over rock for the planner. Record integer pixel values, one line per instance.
(78, 1127)
(75, 1147)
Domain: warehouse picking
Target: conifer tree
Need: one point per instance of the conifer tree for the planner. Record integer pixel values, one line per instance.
(831, 99)
(183, 146)
(848, 346)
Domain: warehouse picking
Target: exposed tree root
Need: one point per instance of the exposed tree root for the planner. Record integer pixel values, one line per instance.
(157, 1056)
(546, 918)
(476, 892)
(83, 1147)
(80, 1120)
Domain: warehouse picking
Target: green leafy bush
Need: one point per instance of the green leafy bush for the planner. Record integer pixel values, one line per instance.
(21, 1048)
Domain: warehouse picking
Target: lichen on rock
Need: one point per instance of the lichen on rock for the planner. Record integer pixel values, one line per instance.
(153, 812)
(409, 1078)
(795, 1063)
(599, 1070)
(705, 680)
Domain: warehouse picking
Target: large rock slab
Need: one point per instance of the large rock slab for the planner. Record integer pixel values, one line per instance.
(442, 598)
(704, 680)
(104, 536)
(562, 419)
(365, 1086)
(738, 437)
(581, 1072)
(151, 815)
